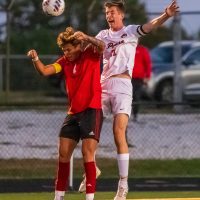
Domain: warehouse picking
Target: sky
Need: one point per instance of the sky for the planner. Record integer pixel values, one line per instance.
(190, 22)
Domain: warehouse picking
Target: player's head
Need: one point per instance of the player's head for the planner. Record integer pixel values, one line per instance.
(69, 44)
(115, 11)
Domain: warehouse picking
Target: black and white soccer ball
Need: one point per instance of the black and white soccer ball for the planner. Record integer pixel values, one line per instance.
(53, 7)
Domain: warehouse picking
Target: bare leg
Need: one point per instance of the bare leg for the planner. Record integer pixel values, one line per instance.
(119, 131)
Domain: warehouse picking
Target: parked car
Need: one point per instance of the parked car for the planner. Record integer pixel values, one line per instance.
(160, 86)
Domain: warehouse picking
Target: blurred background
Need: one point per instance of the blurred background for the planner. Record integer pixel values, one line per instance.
(165, 139)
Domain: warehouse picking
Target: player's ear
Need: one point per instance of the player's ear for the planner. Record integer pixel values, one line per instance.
(79, 46)
(123, 15)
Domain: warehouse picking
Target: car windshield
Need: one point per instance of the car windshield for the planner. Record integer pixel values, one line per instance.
(164, 54)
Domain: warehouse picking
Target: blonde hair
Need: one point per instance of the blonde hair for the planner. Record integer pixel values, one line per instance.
(67, 37)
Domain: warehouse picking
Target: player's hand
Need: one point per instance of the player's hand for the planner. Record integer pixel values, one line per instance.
(172, 9)
(80, 36)
(32, 54)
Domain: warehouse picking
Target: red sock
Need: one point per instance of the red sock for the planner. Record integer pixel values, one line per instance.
(90, 171)
(61, 183)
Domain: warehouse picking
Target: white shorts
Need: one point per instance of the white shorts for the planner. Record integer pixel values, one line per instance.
(116, 96)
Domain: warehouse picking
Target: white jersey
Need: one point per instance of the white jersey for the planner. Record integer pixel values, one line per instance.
(119, 53)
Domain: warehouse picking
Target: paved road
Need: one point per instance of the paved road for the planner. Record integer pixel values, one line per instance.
(139, 184)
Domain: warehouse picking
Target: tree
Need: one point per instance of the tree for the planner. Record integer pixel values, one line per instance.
(30, 27)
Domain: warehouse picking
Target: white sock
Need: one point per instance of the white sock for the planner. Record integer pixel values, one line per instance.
(123, 165)
(59, 194)
(90, 196)
(123, 182)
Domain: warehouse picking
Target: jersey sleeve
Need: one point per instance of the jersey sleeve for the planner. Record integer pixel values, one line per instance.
(136, 30)
(99, 35)
(58, 65)
(102, 34)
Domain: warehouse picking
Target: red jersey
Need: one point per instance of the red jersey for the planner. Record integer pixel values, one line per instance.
(82, 79)
(142, 66)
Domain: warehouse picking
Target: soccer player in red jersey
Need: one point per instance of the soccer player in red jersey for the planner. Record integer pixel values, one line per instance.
(80, 65)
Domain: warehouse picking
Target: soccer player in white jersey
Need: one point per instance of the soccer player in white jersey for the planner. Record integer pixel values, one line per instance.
(118, 62)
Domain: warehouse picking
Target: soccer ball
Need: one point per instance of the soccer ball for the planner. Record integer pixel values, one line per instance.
(53, 7)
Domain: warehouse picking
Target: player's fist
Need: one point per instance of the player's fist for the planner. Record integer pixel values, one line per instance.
(32, 54)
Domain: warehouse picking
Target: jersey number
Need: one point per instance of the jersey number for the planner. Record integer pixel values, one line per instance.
(113, 53)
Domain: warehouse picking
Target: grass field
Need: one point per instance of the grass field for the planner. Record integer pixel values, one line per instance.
(35, 168)
(104, 196)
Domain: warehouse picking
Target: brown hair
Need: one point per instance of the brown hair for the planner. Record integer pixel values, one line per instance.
(118, 3)
(67, 37)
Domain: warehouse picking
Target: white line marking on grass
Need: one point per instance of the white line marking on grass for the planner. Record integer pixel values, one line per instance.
(169, 199)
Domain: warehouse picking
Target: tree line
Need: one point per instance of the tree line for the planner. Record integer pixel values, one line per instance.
(31, 28)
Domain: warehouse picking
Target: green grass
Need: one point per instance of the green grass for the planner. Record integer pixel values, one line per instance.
(99, 195)
(35, 168)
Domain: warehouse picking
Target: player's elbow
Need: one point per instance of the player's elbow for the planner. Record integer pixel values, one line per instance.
(43, 72)
(148, 27)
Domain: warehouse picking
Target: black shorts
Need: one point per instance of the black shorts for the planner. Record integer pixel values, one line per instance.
(86, 124)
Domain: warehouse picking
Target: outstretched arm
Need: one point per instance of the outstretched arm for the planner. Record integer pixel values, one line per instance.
(170, 11)
(45, 70)
(100, 46)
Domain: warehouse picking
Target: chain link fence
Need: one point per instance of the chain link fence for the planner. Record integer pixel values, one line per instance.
(23, 76)
(33, 133)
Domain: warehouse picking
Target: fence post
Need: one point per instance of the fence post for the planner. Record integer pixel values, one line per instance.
(177, 64)
(71, 172)
(1, 74)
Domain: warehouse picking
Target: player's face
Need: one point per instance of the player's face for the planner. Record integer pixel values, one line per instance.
(114, 18)
(71, 52)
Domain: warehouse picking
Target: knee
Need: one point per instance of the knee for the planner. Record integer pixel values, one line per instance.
(88, 154)
(119, 133)
(120, 142)
(63, 156)
(120, 137)
(119, 128)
